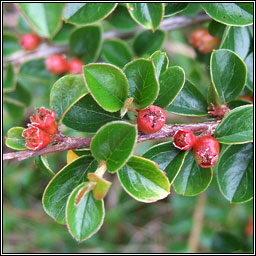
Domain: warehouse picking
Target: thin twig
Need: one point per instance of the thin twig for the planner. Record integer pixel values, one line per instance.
(68, 143)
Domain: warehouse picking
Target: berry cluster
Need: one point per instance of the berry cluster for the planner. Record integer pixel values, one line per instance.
(203, 41)
(41, 130)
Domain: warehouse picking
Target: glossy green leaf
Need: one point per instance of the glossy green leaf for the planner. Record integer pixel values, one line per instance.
(143, 83)
(192, 179)
(171, 83)
(82, 152)
(238, 40)
(107, 84)
(249, 65)
(87, 116)
(237, 103)
(216, 29)
(10, 44)
(174, 8)
(168, 158)
(234, 14)
(192, 10)
(85, 43)
(143, 180)
(236, 127)
(42, 163)
(235, 173)
(85, 219)
(114, 143)
(9, 81)
(148, 15)
(62, 184)
(147, 42)
(65, 93)
(14, 139)
(116, 52)
(45, 18)
(212, 96)
(161, 62)
(23, 25)
(62, 37)
(86, 13)
(228, 74)
(121, 20)
(189, 102)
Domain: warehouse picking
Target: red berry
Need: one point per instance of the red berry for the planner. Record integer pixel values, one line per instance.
(36, 138)
(184, 139)
(56, 64)
(45, 120)
(206, 151)
(29, 42)
(75, 66)
(197, 35)
(151, 119)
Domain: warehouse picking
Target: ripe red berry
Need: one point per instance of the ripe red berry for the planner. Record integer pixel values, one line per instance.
(184, 139)
(206, 151)
(56, 64)
(197, 35)
(36, 138)
(45, 120)
(29, 42)
(151, 119)
(75, 66)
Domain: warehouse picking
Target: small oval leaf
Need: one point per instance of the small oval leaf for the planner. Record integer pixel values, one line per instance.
(15, 140)
(161, 62)
(174, 8)
(42, 163)
(10, 44)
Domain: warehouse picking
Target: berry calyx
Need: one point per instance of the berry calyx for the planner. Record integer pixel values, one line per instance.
(56, 64)
(29, 42)
(206, 151)
(75, 66)
(151, 119)
(184, 139)
(45, 120)
(36, 138)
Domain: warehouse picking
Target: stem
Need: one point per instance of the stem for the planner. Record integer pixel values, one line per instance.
(101, 169)
(67, 143)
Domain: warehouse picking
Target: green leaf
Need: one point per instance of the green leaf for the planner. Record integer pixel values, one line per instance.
(192, 10)
(234, 14)
(174, 8)
(189, 102)
(147, 42)
(212, 96)
(107, 84)
(85, 219)
(192, 179)
(65, 93)
(228, 74)
(143, 83)
(236, 127)
(9, 81)
(87, 116)
(62, 37)
(148, 15)
(86, 13)
(168, 158)
(237, 103)
(121, 20)
(235, 173)
(42, 163)
(45, 18)
(85, 43)
(143, 180)
(216, 29)
(14, 109)
(171, 84)
(238, 40)
(249, 65)
(62, 184)
(161, 62)
(114, 143)
(116, 52)
(10, 44)
(15, 140)
(23, 25)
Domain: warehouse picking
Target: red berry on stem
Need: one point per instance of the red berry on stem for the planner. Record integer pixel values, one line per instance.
(206, 151)
(151, 119)
(45, 120)
(36, 138)
(56, 64)
(75, 66)
(29, 42)
(184, 139)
